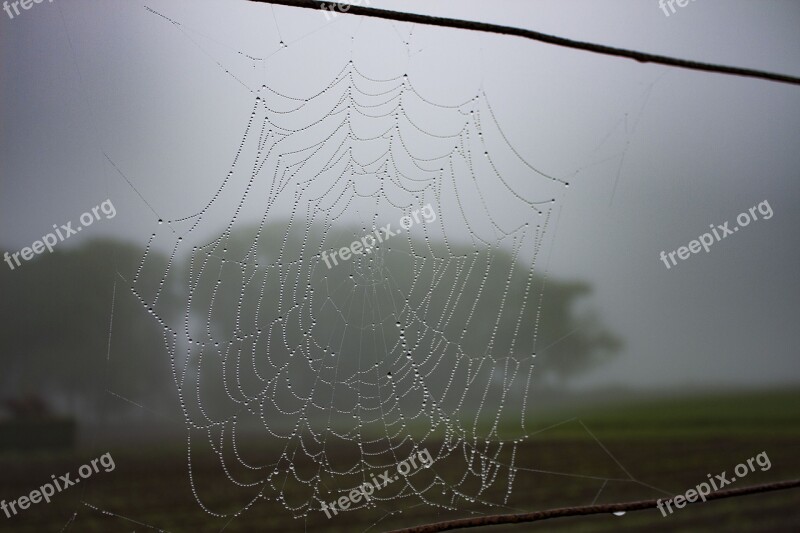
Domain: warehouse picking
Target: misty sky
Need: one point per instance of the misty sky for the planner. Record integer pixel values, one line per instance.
(654, 155)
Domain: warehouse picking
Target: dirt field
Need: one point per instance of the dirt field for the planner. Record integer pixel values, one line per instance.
(663, 446)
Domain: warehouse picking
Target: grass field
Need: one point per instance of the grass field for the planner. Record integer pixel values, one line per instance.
(607, 453)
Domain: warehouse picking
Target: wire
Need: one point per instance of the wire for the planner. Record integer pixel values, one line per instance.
(588, 510)
(641, 57)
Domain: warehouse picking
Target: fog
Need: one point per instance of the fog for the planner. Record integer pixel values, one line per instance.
(109, 100)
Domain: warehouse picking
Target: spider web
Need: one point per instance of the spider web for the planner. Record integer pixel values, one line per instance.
(425, 340)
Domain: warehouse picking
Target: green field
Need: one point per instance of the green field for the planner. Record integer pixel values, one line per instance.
(607, 452)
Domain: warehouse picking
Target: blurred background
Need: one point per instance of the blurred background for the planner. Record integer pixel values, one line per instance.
(531, 335)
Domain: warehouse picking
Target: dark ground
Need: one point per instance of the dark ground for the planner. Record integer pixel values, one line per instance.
(662, 444)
